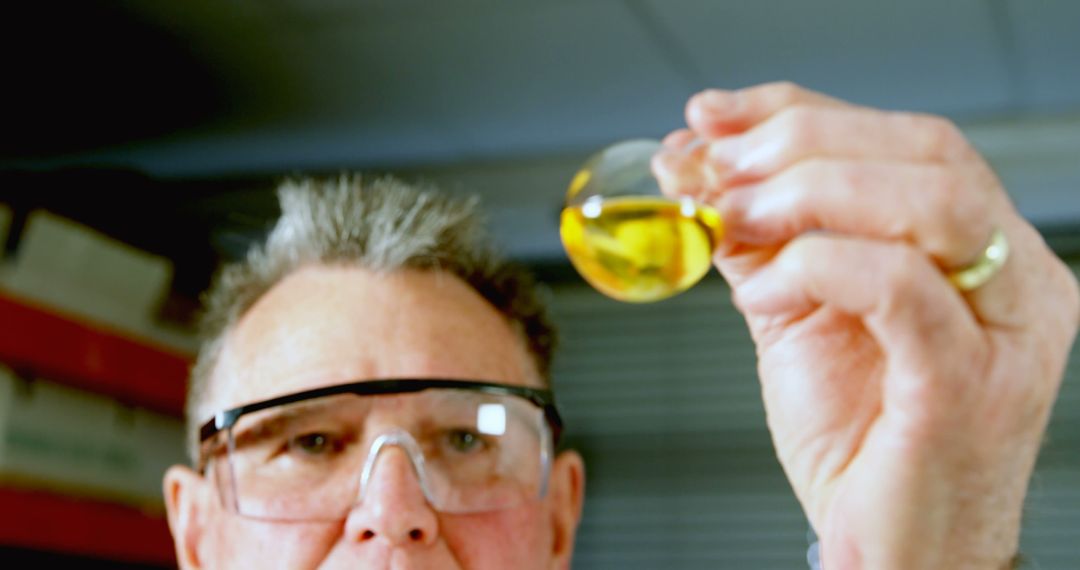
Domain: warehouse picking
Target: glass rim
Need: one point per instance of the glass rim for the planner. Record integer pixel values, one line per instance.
(542, 398)
(233, 499)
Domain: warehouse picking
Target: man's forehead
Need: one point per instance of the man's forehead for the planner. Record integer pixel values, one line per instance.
(325, 325)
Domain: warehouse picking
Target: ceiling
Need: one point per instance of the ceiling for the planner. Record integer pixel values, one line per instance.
(502, 98)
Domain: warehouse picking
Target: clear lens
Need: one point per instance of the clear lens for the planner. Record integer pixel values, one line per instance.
(472, 452)
(622, 169)
(626, 239)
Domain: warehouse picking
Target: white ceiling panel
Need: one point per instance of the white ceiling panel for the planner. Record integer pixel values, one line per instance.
(522, 80)
(378, 85)
(943, 57)
(396, 84)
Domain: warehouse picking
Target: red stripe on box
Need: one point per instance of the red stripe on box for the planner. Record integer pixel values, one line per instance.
(58, 348)
(41, 520)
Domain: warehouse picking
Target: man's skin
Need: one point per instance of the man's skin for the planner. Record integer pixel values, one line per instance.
(328, 325)
(907, 415)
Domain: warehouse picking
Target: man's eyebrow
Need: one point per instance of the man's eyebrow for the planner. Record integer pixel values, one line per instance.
(273, 422)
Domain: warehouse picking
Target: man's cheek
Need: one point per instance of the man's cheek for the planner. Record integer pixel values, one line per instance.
(244, 543)
(519, 538)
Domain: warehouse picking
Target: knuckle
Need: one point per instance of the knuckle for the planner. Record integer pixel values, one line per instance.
(849, 177)
(1073, 302)
(970, 227)
(810, 190)
(836, 181)
(942, 193)
(945, 139)
(1070, 298)
(804, 175)
(785, 91)
(799, 129)
(816, 171)
(941, 127)
(960, 221)
(800, 252)
(904, 269)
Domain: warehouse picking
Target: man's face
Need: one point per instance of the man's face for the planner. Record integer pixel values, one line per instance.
(328, 325)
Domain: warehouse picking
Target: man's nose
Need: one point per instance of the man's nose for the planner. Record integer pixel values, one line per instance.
(393, 507)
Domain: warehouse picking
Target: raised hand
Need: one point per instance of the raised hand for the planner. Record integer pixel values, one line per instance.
(906, 413)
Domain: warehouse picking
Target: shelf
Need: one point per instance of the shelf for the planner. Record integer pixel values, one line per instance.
(46, 521)
(47, 344)
(42, 342)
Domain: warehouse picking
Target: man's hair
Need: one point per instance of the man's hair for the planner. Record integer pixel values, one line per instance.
(380, 225)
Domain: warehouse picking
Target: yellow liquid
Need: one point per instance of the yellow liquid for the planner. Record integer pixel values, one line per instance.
(641, 249)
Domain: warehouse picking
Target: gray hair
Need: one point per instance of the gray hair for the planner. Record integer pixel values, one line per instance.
(381, 225)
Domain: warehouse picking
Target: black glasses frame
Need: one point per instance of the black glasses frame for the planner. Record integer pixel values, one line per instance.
(542, 398)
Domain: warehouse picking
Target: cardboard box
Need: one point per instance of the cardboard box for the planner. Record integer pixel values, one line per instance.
(81, 272)
(59, 438)
(70, 266)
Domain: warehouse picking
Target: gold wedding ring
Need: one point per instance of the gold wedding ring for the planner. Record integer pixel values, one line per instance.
(989, 262)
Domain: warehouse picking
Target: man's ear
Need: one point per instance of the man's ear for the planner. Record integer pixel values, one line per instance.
(186, 496)
(567, 495)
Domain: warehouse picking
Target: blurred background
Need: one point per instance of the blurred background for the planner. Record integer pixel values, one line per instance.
(141, 142)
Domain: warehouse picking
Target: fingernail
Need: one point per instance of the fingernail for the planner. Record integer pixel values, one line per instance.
(673, 171)
(734, 205)
(710, 107)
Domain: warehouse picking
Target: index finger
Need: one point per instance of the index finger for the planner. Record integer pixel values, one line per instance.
(715, 113)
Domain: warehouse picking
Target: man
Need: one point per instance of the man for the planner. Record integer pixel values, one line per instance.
(372, 391)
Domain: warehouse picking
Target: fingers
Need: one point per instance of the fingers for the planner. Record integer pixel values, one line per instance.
(715, 113)
(1034, 286)
(779, 161)
(949, 212)
(945, 211)
(905, 302)
(679, 139)
(801, 132)
(803, 161)
(682, 169)
(809, 126)
(755, 133)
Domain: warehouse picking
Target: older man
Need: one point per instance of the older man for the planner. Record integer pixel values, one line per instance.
(373, 390)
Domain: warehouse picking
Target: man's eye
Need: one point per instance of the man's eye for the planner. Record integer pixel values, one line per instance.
(464, 441)
(314, 444)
